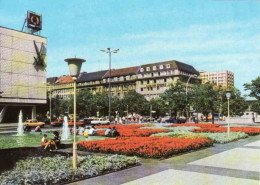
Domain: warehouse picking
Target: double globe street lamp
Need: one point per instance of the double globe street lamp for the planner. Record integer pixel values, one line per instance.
(109, 81)
(74, 67)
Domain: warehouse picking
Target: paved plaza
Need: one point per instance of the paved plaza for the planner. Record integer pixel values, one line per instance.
(233, 163)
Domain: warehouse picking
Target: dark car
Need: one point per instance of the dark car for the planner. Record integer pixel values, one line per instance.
(86, 121)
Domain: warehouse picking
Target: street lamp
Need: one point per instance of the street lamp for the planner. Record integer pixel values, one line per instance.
(187, 94)
(109, 97)
(228, 95)
(74, 67)
(50, 96)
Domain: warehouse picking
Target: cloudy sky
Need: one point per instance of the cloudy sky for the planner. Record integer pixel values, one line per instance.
(211, 35)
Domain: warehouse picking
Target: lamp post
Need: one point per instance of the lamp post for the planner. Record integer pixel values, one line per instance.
(74, 67)
(187, 112)
(49, 87)
(109, 81)
(228, 95)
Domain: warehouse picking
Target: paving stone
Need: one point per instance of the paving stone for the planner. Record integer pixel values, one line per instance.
(178, 177)
(239, 158)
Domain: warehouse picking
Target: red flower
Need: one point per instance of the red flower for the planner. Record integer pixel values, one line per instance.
(154, 147)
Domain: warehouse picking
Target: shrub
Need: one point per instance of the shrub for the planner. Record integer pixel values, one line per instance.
(53, 170)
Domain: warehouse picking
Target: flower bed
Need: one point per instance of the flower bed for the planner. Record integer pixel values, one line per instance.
(132, 130)
(215, 137)
(249, 130)
(154, 147)
(202, 125)
(58, 169)
(125, 126)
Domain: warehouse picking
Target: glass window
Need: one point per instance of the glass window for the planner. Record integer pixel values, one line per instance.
(154, 67)
(161, 66)
(147, 68)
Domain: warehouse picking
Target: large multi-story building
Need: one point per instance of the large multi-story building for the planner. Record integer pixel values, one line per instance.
(22, 73)
(222, 79)
(150, 80)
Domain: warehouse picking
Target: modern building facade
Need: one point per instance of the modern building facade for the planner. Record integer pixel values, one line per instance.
(22, 71)
(222, 79)
(150, 80)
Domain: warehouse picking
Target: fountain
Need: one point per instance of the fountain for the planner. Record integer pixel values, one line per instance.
(65, 130)
(20, 125)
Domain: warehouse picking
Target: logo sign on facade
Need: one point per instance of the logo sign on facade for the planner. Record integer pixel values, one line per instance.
(41, 54)
(34, 20)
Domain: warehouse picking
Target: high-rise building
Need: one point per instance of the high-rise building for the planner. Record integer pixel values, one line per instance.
(222, 79)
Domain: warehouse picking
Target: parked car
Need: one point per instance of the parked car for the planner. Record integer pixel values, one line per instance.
(79, 123)
(163, 119)
(170, 120)
(33, 123)
(146, 119)
(57, 123)
(86, 121)
(100, 121)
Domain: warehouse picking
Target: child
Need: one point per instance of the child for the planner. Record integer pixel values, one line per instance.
(45, 141)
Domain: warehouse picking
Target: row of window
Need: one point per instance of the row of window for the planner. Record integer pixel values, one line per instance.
(153, 88)
(155, 67)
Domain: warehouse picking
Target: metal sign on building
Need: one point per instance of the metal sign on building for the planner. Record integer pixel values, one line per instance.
(34, 21)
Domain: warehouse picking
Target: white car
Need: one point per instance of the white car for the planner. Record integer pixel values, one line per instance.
(100, 121)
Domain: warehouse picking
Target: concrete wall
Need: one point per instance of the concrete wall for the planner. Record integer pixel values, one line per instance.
(20, 80)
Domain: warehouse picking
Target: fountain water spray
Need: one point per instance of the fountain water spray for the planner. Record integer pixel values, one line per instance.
(20, 124)
(65, 129)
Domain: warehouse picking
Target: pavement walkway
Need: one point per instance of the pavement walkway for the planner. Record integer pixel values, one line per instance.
(232, 163)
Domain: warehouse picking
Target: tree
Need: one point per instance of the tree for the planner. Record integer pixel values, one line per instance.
(158, 106)
(254, 88)
(237, 103)
(59, 106)
(206, 99)
(175, 98)
(136, 103)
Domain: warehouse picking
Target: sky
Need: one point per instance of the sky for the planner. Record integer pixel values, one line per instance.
(211, 35)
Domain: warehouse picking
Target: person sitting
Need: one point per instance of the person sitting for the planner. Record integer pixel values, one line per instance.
(37, 129)
(114, 132)
(86, 131)
(81, 130)
(27, 128)
(92, 131)
(44, 141)
(108, 132)
(56, 140)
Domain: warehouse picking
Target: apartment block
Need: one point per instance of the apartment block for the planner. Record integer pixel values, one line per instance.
(150, 80)
(222, 79)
